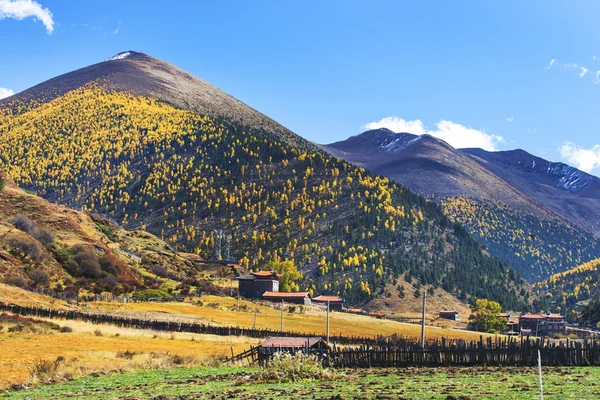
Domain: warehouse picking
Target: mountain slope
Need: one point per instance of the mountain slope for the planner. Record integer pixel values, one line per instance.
(417, 161)
(566, 291)
(564, 190)
(47, 246)
(181, 175)
(141, 74)
(500, 201)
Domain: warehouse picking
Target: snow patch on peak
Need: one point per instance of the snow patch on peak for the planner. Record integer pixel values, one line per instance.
(120, 56)
(395, 142)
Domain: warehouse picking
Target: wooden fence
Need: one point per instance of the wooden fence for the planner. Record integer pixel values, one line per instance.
(491, 352)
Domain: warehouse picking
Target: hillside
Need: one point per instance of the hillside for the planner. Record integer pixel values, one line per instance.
(502, 202)
(569, 290)
(535, 248)
(557, 187)
(44, 246)
(181, 175)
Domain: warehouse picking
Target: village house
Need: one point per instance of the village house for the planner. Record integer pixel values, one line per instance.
(581, 333)
(450, 314)
(292, 297)
(542, 325)
(335, 303)
(255, 284)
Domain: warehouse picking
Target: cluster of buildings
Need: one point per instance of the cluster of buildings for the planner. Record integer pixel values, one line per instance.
(265, 285)
(532, 324)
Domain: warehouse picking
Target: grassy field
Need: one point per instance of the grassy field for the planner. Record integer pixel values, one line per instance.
(95, 348)
(409, 383)
(221, 311)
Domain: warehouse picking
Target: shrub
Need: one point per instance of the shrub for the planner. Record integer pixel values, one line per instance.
(128, 355)
(23, 223)
(90, 268)
(159, 270)
(29, 247)
(45, 236)
(39, 277)
(45, 368)
(66, 329)
(285, 367)
(109, 264)
(98, 332)
(16, 280)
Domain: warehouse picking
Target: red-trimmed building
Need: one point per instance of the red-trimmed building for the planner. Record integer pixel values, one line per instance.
(542, 324)
(335, 303)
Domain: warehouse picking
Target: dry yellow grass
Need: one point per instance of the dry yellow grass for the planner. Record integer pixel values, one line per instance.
(221, 311)
(14, 295)
(89, 352)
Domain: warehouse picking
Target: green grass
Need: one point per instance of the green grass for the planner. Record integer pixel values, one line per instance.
(408, 383)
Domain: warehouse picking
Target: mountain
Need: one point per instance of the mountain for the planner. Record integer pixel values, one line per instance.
(105, 139)
(504, 199)
(140, 74)
(557, 187)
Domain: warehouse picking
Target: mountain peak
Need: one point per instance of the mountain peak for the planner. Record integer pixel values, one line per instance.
(144, 75)
(123, 55)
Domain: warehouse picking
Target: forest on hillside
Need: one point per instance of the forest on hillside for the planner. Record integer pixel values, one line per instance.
(535, 248)
(181, 176)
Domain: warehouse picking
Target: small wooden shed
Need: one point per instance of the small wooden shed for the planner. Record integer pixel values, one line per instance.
(450, 314)
(291, 345)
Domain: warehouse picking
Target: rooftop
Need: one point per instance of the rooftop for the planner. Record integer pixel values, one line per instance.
(328, 298)
(284, 295)
(533, 316)
(287, 342)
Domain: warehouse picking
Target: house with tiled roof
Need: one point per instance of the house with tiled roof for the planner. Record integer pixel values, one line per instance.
(336, 303)
(291, 297)
(542, 324)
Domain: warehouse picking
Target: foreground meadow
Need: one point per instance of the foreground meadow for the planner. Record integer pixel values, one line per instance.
(409, 383)
(84, 349)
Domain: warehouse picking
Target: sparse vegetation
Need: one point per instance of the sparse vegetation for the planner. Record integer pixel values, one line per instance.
(285, 367)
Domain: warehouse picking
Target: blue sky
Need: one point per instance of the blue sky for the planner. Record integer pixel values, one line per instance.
(492, 74)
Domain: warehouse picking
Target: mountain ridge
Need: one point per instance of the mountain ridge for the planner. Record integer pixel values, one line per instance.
(537, 192)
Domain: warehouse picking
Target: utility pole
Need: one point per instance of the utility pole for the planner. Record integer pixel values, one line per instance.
(423, 320)
(540, 374)
(255, 312)
(237, 309)
(281, 329)
(327, 321)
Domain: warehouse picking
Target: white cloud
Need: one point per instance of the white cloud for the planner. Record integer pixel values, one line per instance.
(510, 119)
(118, 29)
(585, 159)
(457, 135)
(20, 9)
(582, 72)
(5, 92)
